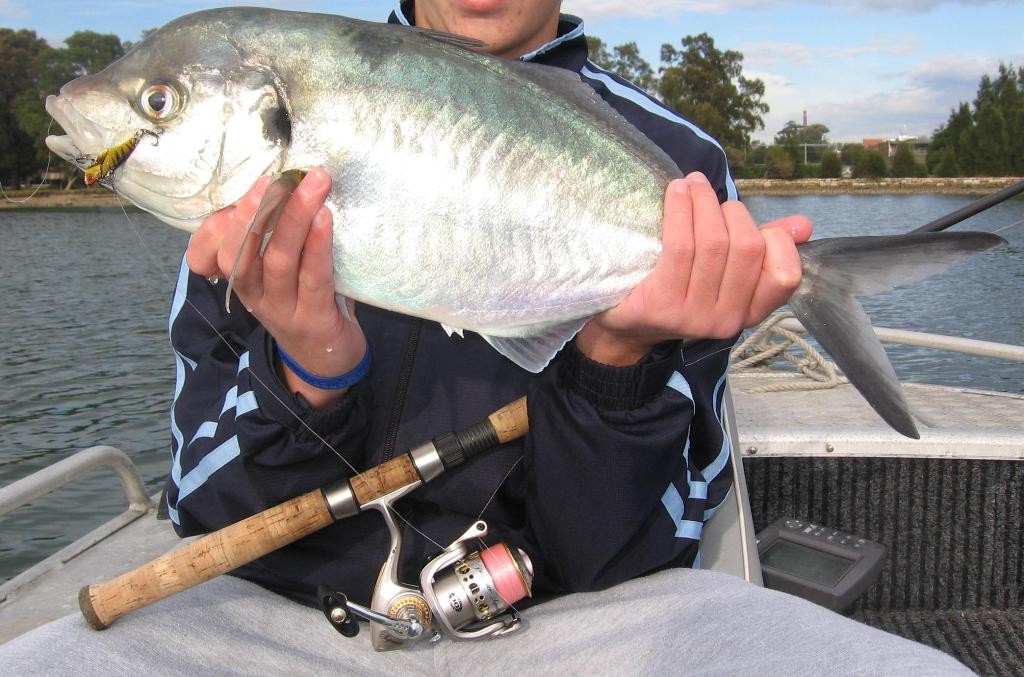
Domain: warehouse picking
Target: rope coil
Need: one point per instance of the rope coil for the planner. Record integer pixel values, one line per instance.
(759, 349)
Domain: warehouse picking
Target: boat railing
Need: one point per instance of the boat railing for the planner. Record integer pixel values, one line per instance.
(72, 468)
(955, 344)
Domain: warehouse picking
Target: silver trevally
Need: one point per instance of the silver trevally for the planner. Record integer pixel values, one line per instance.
(490, 195)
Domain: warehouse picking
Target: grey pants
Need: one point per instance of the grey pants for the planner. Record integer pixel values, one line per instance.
(680, 622)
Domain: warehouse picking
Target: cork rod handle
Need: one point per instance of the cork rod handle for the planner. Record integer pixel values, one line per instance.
(205, 558)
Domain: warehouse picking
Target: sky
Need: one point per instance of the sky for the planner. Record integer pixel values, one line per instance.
(870, 68)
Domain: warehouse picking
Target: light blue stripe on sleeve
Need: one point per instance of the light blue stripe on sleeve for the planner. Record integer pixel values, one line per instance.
(651, 106)
(711, 471)
(673, 503)
(679, 383)
(210, 464)
(246, 403)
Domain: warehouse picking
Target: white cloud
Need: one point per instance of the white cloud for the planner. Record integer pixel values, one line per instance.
(12, 10)
(604, 9)
(765, 54)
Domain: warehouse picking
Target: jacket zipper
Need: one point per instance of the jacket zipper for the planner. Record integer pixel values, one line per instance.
(404, 376)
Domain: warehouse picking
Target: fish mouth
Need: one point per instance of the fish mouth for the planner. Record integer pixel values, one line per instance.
(81, 138)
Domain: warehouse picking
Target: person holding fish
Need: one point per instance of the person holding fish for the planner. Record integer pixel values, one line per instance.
(626, 456)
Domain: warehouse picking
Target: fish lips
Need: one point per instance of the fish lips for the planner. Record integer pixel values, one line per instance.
(80, 132)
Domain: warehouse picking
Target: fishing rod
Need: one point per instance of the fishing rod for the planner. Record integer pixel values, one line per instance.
(242, 542)
(971, 209)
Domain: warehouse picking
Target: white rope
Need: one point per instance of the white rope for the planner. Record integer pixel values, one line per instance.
(759, 349)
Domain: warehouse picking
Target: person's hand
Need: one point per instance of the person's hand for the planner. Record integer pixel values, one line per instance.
(290, 289)
(717, 274)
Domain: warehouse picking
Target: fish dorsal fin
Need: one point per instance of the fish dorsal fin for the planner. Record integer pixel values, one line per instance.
(534, 352)
(450, 38)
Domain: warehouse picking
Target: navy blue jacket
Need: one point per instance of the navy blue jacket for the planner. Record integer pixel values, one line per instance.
(620, 470)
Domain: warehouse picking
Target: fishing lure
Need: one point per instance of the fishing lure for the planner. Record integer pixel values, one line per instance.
(111, 158)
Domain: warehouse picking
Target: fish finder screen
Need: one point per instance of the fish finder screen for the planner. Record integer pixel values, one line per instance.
(807, 563)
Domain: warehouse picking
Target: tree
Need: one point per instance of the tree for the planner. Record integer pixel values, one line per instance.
(903, 162)
(625, 61)
(780, 164)
(831, 165)
(707, 86)
(19, 52)
(91, 52)
(987, 138)
(870, 165)
(801, 133)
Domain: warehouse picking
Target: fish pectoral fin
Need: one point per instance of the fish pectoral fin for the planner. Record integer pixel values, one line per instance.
(535, 351)
(838, 321)
(263, 221)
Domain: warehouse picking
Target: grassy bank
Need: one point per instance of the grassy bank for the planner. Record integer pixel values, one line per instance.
(57, 199)
(954, 186)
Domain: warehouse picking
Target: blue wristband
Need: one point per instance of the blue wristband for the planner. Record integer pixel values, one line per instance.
(350, 378)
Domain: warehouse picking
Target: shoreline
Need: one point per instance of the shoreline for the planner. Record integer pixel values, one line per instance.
(96, 197)
(974, 185)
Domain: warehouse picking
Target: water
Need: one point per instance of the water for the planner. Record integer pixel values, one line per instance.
(85, 357)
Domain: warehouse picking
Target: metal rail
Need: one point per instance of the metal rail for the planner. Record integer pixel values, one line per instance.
(952, 344)
(54, 476)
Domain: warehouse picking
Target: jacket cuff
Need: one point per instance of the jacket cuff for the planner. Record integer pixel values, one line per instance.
(287, 408)
(618, 388)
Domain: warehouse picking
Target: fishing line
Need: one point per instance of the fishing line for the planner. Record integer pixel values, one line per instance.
(184, 296)
(1012, 225)
(49, 158)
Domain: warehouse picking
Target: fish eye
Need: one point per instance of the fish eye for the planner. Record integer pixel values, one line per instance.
(159, 101)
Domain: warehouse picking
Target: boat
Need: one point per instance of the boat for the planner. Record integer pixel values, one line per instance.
(807, 453)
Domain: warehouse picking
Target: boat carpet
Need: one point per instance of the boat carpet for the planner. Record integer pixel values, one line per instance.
(954, 530)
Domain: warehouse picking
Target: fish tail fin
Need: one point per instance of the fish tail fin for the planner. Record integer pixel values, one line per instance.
(263, 221)
(836, 269)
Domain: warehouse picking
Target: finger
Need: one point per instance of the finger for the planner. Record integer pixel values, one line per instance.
(205, 244)
(711, 242)
(283, 254)
(799, 227)
(316, 270)
(742, 268)
(673, 266)
(781, 274)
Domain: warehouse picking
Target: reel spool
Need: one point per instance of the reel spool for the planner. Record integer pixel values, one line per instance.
(462, 594)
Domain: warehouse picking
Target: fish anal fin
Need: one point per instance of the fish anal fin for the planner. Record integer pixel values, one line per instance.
(535, 351)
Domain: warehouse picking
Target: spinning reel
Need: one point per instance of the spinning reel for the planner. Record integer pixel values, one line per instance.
(462, 594)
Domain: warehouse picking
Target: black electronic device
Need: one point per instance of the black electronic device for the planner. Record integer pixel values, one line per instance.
(824, 565)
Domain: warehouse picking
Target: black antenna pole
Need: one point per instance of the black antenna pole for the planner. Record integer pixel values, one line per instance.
(970, 210)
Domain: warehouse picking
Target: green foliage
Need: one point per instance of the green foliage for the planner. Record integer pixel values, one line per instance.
(707, 86)
(625, 61)
(33, 69)
(903, 162)
(831, 165)
(780, 164)
(869, 165)
(798, 133)
(986, 138)
(700, 81)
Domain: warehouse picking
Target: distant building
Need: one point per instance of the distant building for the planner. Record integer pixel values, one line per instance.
(887, 147)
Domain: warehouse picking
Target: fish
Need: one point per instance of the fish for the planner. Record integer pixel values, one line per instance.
(490, 195)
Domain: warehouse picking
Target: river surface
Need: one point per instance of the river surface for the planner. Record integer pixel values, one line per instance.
(84, 296)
